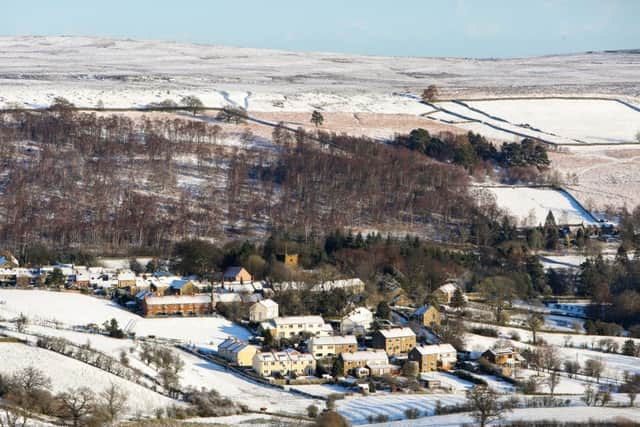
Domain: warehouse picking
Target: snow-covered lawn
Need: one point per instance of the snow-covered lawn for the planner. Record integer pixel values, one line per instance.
(591, 121)
(359, 409)
(76, 309)
(66, 373)
(201, 373)
(530, 206)
(570, 414)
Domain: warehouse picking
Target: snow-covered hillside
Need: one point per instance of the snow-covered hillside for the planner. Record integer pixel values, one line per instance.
(68, 373)
(135, 72)
(530, 206)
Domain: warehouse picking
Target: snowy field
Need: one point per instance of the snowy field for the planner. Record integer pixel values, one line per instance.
(76, 309)
(569, 122)
(587, 121)
(530, 206)
(569, 347)
(358, 410)
(197, 372)
(66, 373)
(571, 414)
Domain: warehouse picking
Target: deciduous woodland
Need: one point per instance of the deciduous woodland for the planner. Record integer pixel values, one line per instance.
(114, 183)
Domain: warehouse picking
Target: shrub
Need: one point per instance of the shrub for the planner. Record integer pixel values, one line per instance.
(412, 413)
(485, 331)
(312, 411)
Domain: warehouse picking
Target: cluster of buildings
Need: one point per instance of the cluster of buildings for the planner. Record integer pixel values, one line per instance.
(355, 347)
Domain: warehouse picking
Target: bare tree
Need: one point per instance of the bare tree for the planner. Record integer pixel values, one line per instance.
(77, 405)
(594, 368)
(13, 417)
(486, 406)
(553, 380)
(21, 323)
(534, 322)
(550, 358)
(113, 403)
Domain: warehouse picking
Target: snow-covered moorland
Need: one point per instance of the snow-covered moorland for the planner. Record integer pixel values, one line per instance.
(124, 73)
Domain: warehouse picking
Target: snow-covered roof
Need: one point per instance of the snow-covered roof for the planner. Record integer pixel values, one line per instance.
(359, 315)
(397, 333)
(503, 350)
(307, 320)
(178, 299)
(233, 345)
(435, 349)
(334, 340)
(127, 275)
(227, 297)
(448, 288)
(268, 303)
(284, 356)
(379, 356)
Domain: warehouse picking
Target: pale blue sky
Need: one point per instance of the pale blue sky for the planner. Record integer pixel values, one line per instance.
(467, 28)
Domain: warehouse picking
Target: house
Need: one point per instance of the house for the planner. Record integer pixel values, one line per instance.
(501, 356)
(330, 346)
(181, 287)
(362, 359)
(237, 274)
(263, 310)
(126, 279)
(356, 322)
(428, 315)
(445, 292)
(287, 327)
(434, 357)
(283, 363)
(394, 341)
(176, 305)
(237, 352)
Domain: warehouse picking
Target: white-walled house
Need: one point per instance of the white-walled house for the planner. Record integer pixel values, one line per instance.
(263, 310)
(357, 322)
